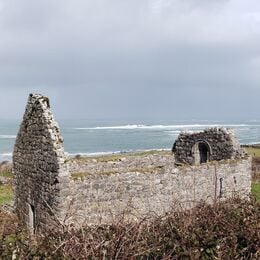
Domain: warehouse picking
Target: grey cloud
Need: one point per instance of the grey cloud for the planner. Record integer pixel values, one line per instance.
(110, 53)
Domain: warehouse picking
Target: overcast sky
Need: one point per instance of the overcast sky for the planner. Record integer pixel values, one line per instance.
(132, 59)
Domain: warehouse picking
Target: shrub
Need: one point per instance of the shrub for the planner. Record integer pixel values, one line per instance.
(227, 230)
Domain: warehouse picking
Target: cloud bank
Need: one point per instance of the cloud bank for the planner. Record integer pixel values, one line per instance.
(151, 59)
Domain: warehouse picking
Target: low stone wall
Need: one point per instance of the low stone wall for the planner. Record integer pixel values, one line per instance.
(102, 197)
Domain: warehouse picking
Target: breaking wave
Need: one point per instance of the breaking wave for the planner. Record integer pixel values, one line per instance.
(6, 156)
(7, 136)
(113, 152)
(154, 127)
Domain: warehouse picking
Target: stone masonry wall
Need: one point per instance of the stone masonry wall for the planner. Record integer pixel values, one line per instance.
(221, 141)
(37, 164)
(101, 197)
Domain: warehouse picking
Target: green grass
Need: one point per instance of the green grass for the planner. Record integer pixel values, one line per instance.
(256, 190)
(6, 193)
(253, 151)
(6, 174)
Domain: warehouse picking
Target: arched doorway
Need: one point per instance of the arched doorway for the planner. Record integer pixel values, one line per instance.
(204, 152)
(201, 152)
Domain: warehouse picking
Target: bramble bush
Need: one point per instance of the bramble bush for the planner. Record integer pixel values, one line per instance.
(226, 230)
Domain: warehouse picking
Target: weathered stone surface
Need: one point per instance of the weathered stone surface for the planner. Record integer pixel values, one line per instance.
(37, 163)
(213, 144)
(51, 188)
(102, 196)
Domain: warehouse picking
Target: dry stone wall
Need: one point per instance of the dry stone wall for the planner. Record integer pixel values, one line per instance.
(52, 189)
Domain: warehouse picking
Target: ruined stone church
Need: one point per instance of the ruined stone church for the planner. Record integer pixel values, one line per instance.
(52, 189)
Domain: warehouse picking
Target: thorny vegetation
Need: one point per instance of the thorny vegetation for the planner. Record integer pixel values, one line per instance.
(227, 230)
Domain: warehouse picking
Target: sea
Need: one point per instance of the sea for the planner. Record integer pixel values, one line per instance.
(98, 137)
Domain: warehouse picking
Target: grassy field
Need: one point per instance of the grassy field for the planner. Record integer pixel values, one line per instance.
(253, 151)
(6, 193)
(256, 190)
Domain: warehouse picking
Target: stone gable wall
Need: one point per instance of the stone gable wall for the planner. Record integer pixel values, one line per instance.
(37, 162)
(222, 142)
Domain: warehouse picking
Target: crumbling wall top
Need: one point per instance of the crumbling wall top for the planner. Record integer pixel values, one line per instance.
(212, 144)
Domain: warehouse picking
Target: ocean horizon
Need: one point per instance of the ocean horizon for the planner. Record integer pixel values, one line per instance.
(99, 137)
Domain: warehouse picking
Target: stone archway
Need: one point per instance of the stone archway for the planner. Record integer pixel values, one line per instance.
(201, 152)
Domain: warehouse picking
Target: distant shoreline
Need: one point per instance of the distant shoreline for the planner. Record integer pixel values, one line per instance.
(101, 154)
(8, 157)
